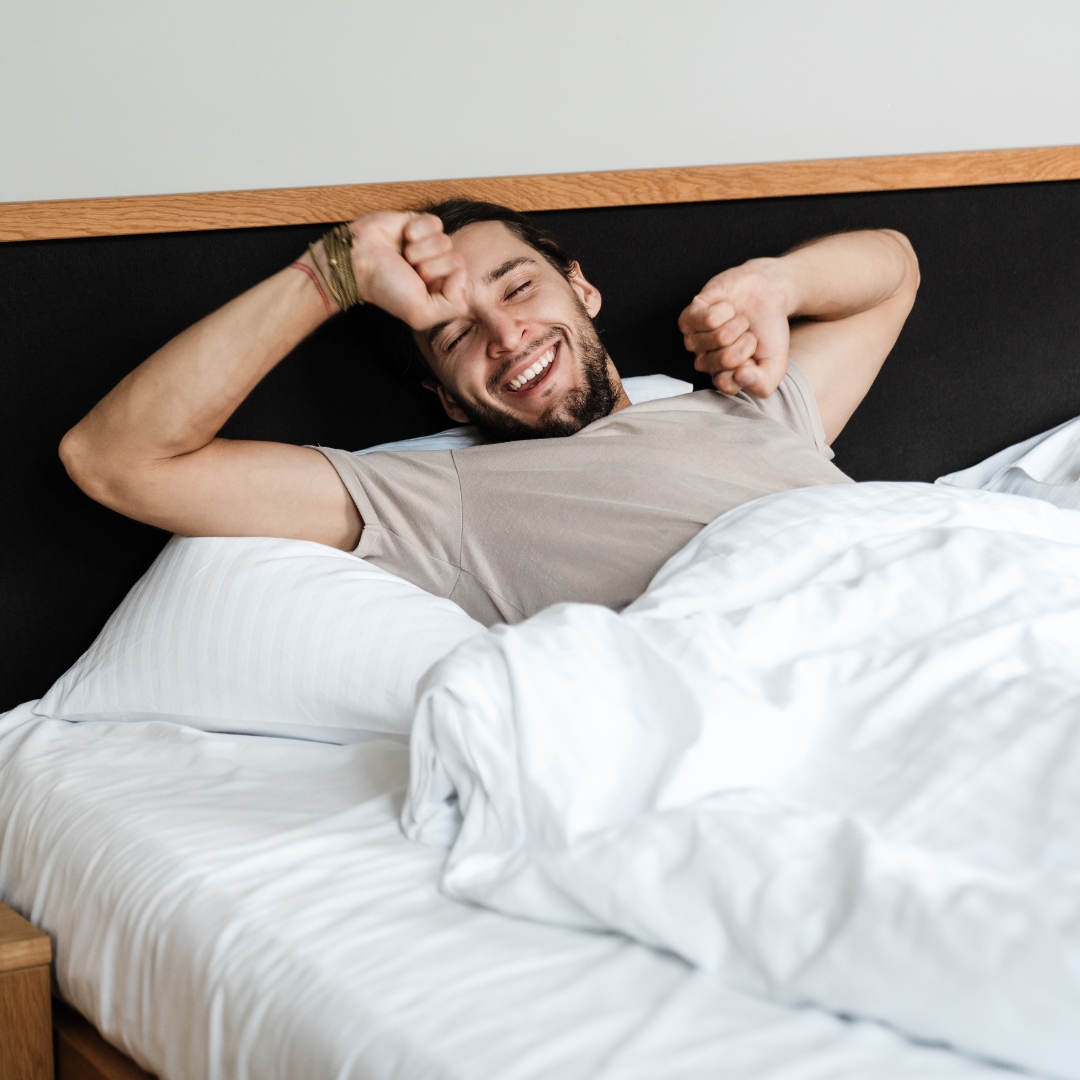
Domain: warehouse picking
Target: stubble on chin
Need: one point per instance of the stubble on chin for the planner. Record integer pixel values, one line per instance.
(595, 398)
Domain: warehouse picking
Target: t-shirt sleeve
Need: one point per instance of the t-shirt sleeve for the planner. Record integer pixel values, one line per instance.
(411, 506)
(793, 404)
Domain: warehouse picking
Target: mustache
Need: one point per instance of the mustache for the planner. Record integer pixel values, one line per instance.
(496, 379)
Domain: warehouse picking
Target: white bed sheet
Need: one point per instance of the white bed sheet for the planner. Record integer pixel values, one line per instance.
(230, 907)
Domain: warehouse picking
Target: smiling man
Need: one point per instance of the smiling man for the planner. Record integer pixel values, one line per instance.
(550, 385)
(578, 495)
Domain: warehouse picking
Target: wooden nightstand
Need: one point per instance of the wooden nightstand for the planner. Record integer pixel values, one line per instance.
(26, 1051)
(29, 1019)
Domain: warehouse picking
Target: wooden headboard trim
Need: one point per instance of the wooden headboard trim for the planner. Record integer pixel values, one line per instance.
(557, 191)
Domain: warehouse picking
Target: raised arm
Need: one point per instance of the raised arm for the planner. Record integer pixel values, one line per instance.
(150, 449)
(835, 306)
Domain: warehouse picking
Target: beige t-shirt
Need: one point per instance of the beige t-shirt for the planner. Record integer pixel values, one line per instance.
(508, 528)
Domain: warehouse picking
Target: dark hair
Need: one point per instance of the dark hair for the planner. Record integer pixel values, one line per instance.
(455, 214)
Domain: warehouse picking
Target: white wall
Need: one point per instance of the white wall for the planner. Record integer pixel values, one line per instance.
(123, 97)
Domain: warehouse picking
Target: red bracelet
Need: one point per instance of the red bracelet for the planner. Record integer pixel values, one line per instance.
(315, 281)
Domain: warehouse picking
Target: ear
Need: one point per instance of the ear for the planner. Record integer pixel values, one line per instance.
(453, 409)
(588, 293)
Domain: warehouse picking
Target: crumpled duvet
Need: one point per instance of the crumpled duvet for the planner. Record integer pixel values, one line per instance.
(832, 756)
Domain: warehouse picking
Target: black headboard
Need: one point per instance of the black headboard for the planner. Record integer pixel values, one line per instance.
(989, 356)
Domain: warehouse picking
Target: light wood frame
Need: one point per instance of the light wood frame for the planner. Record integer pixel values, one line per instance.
(557, 191)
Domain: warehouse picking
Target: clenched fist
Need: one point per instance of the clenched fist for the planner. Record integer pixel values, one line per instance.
(737, 327)
(406, 264)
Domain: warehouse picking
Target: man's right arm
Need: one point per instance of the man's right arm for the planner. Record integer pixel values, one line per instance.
(150, 449)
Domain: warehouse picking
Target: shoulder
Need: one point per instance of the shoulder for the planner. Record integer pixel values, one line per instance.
(791, 405)
(401, 475)
(384, 462)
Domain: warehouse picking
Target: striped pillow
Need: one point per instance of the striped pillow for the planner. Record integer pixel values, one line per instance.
(263, 637)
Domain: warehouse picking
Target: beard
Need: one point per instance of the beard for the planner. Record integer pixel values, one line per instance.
(578, 408)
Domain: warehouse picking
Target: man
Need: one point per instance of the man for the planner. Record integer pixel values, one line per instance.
(580, 496)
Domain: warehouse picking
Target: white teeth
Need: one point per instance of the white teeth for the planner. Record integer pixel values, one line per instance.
(531, 372)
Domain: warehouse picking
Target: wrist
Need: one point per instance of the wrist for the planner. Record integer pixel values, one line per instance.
(316, 258)
(335, 258)
(782, 282)
(364, 259)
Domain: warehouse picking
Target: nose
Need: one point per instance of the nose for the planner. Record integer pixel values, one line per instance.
(505, 333)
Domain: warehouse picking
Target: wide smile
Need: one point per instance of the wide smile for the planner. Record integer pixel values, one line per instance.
(535, 373)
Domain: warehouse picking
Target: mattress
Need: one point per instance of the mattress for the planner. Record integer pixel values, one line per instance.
(227, 907)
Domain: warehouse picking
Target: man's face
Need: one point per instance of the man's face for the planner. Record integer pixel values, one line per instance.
(526, 361)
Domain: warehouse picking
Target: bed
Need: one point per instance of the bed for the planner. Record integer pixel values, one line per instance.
(209, 868)
(273, 921)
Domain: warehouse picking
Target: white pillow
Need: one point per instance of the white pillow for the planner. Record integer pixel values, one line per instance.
(1046, 467)
(264, 637)
(638, 388)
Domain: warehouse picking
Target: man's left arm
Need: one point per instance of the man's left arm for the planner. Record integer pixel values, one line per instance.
(849, 294)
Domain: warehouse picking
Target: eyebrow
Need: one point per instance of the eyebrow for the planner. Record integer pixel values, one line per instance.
(493, 276)
(510, 264)
(434, 332)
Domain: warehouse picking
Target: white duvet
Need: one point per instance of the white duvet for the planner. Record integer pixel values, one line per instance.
(832, 755)
(229, 907)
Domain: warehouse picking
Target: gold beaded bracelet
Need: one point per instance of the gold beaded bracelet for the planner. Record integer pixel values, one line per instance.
(337, 244)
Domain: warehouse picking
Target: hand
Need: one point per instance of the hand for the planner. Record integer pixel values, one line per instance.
(737, 328)
(405, 263)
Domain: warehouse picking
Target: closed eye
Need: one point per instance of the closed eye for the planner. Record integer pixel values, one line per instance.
(454, 342)
(450, 346)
